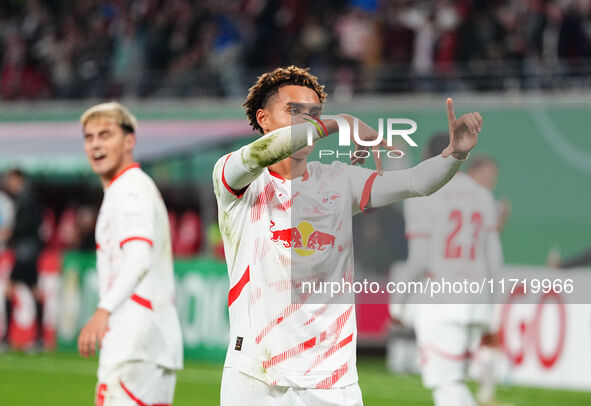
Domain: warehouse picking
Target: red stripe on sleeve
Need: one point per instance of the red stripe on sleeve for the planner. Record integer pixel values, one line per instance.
(237, 194)
(237, 289)
(367, 191)
(122, 243)
(142, 301)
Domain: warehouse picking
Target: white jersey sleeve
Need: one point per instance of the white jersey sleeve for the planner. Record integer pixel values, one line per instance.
(245, 165)
(135, 225)
(493, 248)
(137, 258)
(136, 217)
(225, 194)
(421, 180)
(360, 182)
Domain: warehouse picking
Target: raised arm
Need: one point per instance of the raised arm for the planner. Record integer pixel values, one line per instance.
(430, 175)
(421, 180)
(245, 165)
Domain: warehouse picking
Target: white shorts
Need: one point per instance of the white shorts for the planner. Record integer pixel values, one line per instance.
(241, 389)
(446, 349)
(135, 383)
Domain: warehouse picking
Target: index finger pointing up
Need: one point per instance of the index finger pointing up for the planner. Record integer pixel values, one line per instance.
(451, 116)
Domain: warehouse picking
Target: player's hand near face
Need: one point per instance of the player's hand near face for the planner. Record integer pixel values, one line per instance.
(367, 133)
(92, 333)
(463, 132)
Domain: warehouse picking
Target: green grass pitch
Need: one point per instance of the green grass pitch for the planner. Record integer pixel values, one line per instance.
(65, 379)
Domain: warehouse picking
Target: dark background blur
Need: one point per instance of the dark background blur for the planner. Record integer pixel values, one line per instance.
(182, 48)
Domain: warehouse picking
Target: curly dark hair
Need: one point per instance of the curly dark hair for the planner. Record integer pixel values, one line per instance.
(269, 83)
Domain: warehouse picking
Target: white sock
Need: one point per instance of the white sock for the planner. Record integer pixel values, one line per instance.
(453, 394)
(486, 374)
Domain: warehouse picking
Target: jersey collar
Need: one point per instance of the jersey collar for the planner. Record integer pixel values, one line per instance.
(276, 175)
(122, 171)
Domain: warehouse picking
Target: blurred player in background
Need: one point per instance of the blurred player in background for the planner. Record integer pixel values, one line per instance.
(485, 171)
(452, 234)
(6, 219)
(26, 244)
(6, 224)
(136, 324)
(283, 352)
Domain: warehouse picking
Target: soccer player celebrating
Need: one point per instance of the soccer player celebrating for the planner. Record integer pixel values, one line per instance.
(136, 323)
(453, 235)
(284, 351)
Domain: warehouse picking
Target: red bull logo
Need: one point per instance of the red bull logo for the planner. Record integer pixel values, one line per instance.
(319, 241)
(290, 237)
(304, 239)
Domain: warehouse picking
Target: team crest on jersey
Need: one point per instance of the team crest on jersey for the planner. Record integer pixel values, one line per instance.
(304, 239)
(329, 200)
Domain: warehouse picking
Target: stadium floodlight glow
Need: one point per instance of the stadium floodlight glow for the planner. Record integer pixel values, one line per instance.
(345, 131)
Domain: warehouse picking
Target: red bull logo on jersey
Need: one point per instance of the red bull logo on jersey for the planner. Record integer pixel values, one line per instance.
(304, 239)
(289, 237)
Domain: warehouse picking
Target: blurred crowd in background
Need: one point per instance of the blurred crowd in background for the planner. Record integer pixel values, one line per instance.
(191, 48)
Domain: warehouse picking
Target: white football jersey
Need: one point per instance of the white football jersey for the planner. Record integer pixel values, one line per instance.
(272, 232)
(457, 220)
(145, 327)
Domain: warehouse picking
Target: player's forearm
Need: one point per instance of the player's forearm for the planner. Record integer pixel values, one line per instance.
(246, 164)
(494, 253)
(137, 256)
(421, 180)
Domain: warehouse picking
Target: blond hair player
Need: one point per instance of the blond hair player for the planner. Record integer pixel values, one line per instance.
(136, 322)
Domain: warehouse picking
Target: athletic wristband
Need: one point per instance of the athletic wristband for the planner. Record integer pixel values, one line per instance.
(322, 132)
